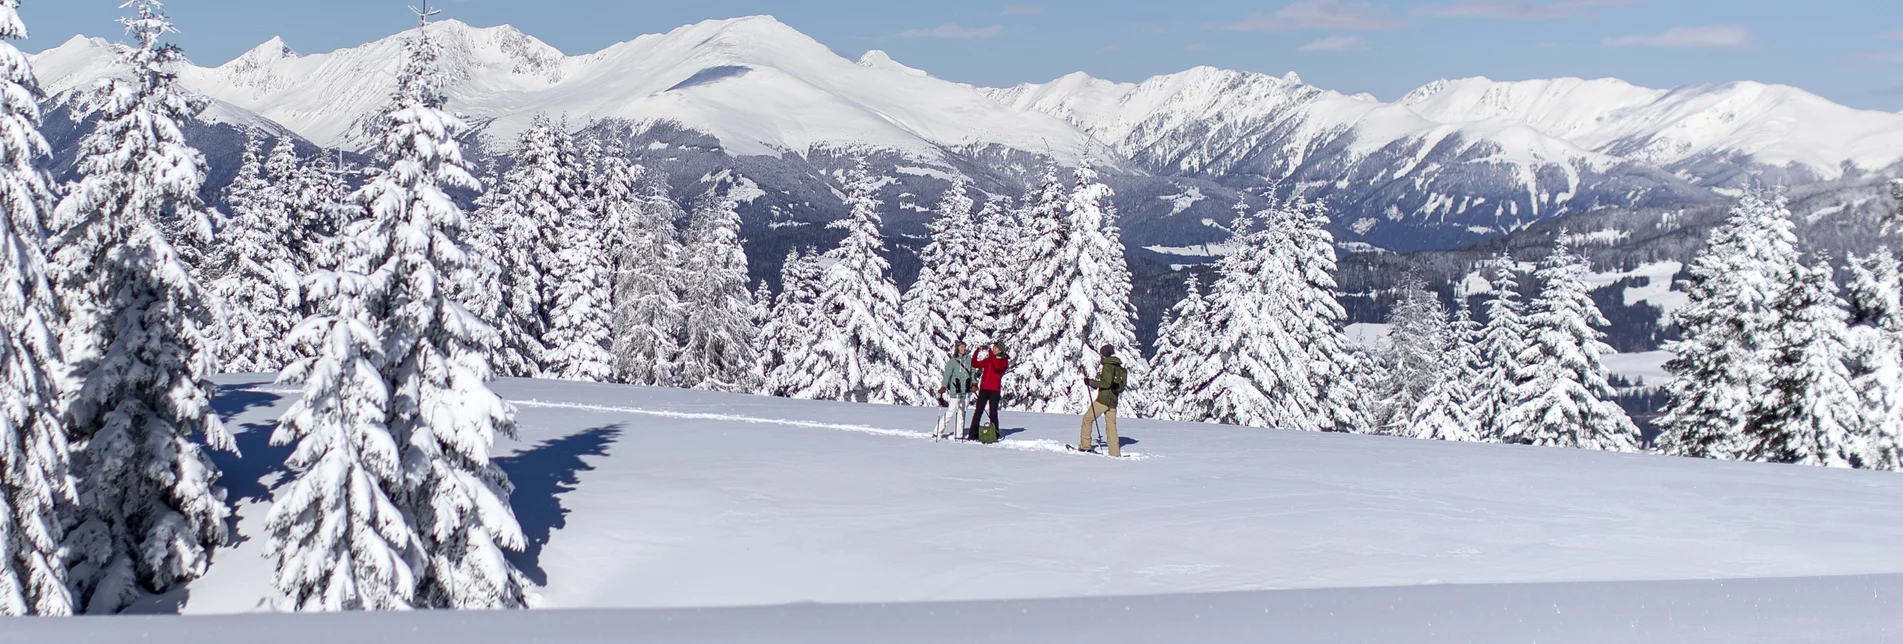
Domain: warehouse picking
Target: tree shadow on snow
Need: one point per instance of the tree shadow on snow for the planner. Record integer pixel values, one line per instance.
(541, 475)
(244, 475)
(237, 399)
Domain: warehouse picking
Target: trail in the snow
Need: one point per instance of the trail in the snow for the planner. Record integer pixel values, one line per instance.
(1031, 445)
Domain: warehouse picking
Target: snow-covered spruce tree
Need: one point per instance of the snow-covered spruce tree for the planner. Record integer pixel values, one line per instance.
(257, 281)
(1410, 359)
(1810, 415)
(1038, 233)
(1722, 363)
(483, 236)
(1077, 299)
(859, 351)
(1244, 365)
(717, 351)
(580, 308)
(337, 531)
(649, 315)
(318, 213)
(788, 329)
(993, 280)
(1498, 350)
(1181, 347)
(1332, 400)
(1876, 346)
(149, 515)
(1445, 412)
(435, 362)
(943, 306)
(543, 190)
(1566, 400)
(35, 482)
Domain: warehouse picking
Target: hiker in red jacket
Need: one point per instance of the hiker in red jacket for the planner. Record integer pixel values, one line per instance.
(990, 365)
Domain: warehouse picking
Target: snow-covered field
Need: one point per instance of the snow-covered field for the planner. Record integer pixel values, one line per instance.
(638, 498)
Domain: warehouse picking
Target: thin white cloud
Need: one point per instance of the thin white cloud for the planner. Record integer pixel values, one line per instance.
(1894, 35)
(1706, 36)
(1337, 43)
(1023, 10)
(1519, 9)
(954, 30)
(1319, 14)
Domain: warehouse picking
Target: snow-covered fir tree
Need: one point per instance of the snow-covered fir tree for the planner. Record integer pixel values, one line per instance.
(1565, 399)
(787, 329)
(717, 351)
(945, 305)
(149, 515)
(318, 213)
(483, 235)
(1270, 350)
(257, 280)
(993, 281)
(1333, 399)
(338, 530)
(650, 317)
(858, 351)
(580, 307)
(35, 483)
(1722, 364)
(1810, 414)
(1181, 347)
(1247, 372)
(543, 191)
(1410, 359)
(1876, 346)
(1038, 233)
(1076, 298)
(435, 361)
(1445, 411)
(1498, 350)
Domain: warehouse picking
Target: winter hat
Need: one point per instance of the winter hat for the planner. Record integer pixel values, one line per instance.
(1107, 351)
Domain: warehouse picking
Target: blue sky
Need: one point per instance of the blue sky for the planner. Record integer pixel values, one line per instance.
(1850, 51)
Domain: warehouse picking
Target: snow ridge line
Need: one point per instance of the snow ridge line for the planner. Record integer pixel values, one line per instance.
(1033, 445)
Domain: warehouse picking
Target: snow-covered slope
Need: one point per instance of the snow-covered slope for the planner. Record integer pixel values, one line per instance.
(638, 498)
(1838, 610)
(1703, 132)
(1389, 163)
(754, 83)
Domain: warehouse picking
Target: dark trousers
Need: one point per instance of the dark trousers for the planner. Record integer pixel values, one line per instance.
(986, 399)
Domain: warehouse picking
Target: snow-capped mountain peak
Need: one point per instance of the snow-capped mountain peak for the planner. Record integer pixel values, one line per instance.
(756, 84)
(878, 59)
(1781, 128)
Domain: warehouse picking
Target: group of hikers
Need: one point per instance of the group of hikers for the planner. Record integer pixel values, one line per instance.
(982, 375)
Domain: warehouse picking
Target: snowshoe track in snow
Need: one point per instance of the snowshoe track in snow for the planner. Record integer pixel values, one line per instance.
(1031, 445)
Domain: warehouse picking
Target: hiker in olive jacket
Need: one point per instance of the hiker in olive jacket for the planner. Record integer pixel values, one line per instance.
(1109, 384)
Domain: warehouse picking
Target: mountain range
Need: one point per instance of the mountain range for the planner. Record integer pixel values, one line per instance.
(754, 108)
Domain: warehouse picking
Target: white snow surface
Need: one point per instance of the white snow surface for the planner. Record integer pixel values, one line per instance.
(1648, 365)
(758, 85)
(650, 498)
(1776, 125)
(1839, 610)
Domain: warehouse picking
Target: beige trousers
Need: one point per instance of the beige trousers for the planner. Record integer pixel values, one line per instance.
(1109, 415)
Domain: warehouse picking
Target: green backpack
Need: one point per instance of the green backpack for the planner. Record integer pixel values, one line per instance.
(988, 434)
